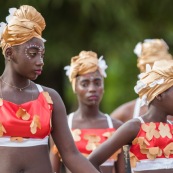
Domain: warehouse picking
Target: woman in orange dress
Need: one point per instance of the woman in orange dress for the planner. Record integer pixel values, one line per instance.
(89, 126)
(29, 112)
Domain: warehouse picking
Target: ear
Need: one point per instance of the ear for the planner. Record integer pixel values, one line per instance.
(8, 53)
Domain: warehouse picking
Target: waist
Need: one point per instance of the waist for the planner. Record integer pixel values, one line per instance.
(26, 142)
(159, 163)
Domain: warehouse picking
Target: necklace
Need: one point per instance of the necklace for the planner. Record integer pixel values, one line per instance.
(20, 89)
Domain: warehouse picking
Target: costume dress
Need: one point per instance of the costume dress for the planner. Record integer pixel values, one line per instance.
(152, 149)
(26, 124)
(87, 140)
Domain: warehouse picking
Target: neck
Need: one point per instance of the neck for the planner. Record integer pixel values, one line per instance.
(88, 111)
(15, 83)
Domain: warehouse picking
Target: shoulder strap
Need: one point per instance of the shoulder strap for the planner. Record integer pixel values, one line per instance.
(169, 122)
(40, 89)
(70, 118)
(140, 119)
(109, 120)
(137, 108)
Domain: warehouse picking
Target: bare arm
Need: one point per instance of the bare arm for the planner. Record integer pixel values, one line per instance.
(124, 135)
(63, 138)
(54, 157)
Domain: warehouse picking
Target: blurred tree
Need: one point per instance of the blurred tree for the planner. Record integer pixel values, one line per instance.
(110, 28)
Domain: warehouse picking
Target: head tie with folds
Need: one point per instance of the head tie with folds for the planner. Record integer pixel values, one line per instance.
(22, 25)
(85, 62)
(155, 80)
(151, 50)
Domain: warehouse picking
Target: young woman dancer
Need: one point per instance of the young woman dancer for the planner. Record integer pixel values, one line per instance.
(151, 135)
(30, 112)
(90, 127)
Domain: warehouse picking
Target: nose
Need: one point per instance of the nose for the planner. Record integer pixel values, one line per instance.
(92, 88)
(40, 61)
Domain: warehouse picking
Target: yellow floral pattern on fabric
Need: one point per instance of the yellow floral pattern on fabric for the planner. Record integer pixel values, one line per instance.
(22, 113)
(150, 131)
(93, 141)
(150, 145)
(164, 130)
(1, 101)
(76, 134)
(16, 139)
(168, 150)
(152, 152)
(35, 124)
(133, 160)
(2, 130)
(48, 98)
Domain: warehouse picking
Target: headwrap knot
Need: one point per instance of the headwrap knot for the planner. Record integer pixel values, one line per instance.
(22, 25)
(155, 81)
(85, 62)
(151, 50)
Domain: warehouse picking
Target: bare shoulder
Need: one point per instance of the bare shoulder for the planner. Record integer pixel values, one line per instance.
(130, 128)
(125, 111)
(58, 104)
(52, 92)
(116, 123)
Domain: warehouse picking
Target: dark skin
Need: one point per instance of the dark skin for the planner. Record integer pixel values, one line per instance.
(158, 110)
(89, 91)
(21, 65)
(125, 111)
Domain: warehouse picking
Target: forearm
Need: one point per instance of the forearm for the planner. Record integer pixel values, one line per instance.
(77, 163)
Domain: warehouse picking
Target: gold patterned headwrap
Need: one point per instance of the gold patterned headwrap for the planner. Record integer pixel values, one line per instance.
(155, 80)
(22, 25)
(151, 50)
(85, 62)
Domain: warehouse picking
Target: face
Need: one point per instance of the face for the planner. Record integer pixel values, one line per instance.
(90, 88)
(27, 59)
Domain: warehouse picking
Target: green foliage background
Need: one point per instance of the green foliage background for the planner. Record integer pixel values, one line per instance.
(111, 28)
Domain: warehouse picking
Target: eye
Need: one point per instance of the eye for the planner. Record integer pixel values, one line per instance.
(32, 54)
(84, 84)
(98, 83)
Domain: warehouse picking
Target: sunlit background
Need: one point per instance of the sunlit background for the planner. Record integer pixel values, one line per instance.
(111, 28)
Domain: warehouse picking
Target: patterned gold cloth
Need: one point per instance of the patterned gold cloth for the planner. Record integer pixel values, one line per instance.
(151, 50)
(155, 81)
(24, 24)
(85, 62)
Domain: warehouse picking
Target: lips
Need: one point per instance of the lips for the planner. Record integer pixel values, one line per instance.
(93, 97)
(38, 72)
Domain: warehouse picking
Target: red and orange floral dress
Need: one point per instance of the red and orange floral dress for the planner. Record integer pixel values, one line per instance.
(152, 149)
(27, 124)
(87, 140)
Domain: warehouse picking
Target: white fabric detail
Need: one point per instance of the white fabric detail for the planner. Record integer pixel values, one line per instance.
(40, 89)
(140, 119)
(109, 120)
(27, 142)
(70, 118)
(71, 115)
(137, 108)
(109, 162)
(159, 163)
(169, 122)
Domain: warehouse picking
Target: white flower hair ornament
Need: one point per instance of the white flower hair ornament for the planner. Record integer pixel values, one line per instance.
(11, 11)
(138, 49)
(68, 70)
(2, 28)
(8, 18)
(102, 66)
